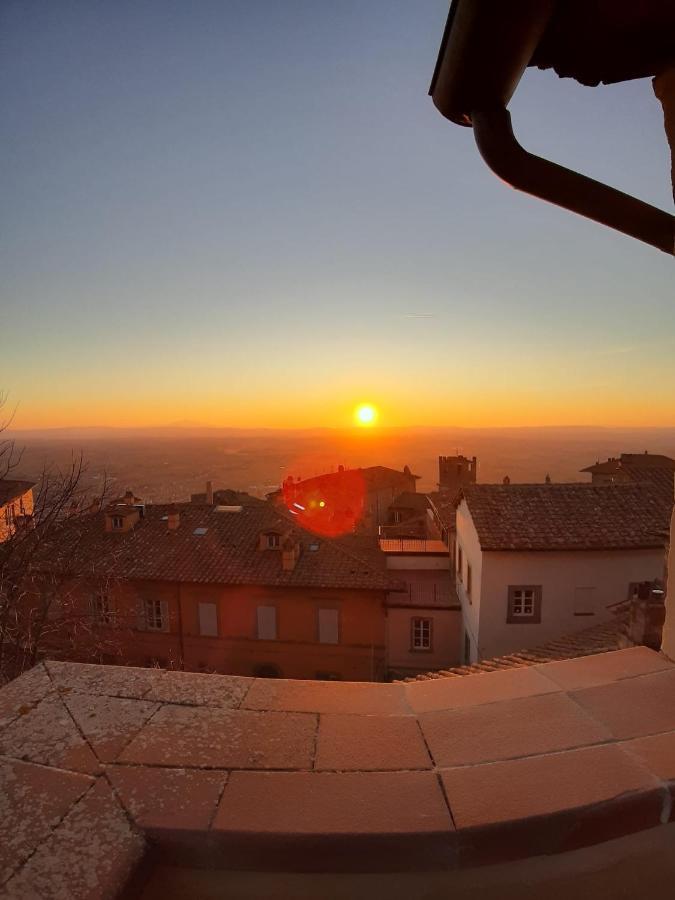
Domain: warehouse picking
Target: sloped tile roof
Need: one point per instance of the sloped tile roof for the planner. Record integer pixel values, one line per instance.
(598, 639)
(10, 489)
(568, 516)
(227, 553)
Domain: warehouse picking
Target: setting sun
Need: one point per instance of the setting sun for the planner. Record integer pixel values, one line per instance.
(365, 414)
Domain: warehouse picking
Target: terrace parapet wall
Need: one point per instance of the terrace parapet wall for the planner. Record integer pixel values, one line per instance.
(103, 765)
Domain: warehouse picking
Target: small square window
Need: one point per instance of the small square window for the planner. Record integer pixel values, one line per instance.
(420, 633)
(524, 604)
(117, 522)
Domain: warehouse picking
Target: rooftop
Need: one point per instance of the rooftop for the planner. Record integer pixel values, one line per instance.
(601, 638)
(220, 547)
(10, 489)
(101, 764)
(569, 516)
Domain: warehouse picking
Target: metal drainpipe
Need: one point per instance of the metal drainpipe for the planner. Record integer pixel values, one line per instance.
(564, 187)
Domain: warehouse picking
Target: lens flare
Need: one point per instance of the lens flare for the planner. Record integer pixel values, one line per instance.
(365, 415)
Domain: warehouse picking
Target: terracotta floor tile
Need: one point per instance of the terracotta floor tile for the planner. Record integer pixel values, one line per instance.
(47, 734)
(108, 723)
(508, 730)
(201, 737)
(602, 668)
(90, 854)
(197, 689)
(519, 789)
(635, 706)
(327, 697)
(472, 690)
(370, 742)
(32, 800)
(333, 803)
(170, 799)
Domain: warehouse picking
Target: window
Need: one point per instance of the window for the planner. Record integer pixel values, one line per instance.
(420, 634)
(101, 609)
(267, 623)
(117, 522)
(524, 604)
(584, 601)
(328, 626)
(156, 615)
(273, 541)
(460, 562)
(208, 619)
(396, 517)
(468, 582)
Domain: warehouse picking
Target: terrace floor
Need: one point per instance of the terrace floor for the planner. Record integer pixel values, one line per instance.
(104, 767)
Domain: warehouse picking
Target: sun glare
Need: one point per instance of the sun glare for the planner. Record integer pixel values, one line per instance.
(365, 414)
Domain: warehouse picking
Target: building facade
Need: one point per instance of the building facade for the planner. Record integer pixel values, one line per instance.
(535, 562)
(16, 501)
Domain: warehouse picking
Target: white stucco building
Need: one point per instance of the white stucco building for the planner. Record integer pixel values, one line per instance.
(535, 562)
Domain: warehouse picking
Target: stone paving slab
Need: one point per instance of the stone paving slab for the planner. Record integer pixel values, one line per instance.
(549, 803)
(108, 723)
(33, 800)
(25, 692)
(490, 687)
(366, 743)
(109, 681)
(89, 855)
(224, 739)
(47, 734)
(197, 689)
(604, 668)
(633, 707)
(508, 730)
(328, 697)
(168, 799)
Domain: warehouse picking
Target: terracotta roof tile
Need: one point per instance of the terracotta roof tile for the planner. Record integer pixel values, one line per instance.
(226, 553)
(568, 516)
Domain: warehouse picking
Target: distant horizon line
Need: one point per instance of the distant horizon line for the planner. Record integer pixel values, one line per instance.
(325, 428)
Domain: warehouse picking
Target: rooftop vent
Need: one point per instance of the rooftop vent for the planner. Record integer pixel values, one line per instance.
(228, 509)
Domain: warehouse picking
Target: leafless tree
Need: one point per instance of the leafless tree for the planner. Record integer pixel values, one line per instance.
(41, 579)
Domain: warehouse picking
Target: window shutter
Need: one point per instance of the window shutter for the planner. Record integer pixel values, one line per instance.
(165, 615)
(328, 626)
(584, 598)
(141, 618)
(267, 623)
(208, 619)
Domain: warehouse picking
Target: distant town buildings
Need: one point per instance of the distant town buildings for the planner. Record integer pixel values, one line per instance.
(454, 472)
(16, 501)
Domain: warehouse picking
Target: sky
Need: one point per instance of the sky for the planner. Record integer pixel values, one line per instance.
(251, 214)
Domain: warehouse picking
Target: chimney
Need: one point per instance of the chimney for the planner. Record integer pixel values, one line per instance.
(290, 551)
(209, 493)
(129, 498)
(173, 518)
(506, 480)
(547, 480)
(95, 505)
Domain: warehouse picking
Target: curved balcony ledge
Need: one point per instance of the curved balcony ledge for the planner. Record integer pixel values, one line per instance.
(101, 763)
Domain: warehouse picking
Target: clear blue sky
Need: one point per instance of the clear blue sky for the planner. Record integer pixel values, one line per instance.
(230, 212)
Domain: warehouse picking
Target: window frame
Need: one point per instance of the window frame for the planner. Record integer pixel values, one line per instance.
(102, 610)
(152, 618)
(418, 643)
(523, 618)
(117, 523)
(273, 540)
